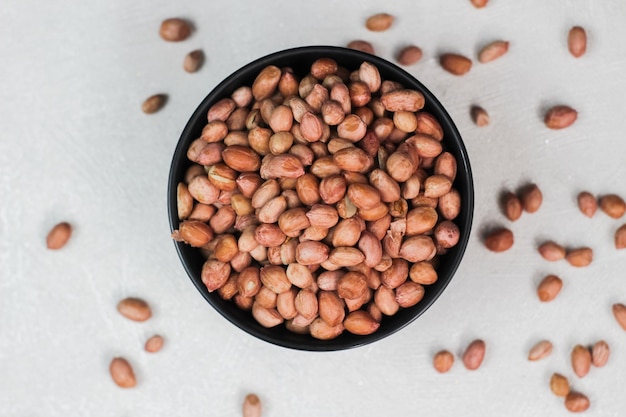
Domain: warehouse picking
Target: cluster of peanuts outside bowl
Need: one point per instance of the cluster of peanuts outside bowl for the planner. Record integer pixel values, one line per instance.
(326, 164)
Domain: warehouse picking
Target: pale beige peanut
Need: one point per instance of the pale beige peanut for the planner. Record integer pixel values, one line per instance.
(405, 121)
(474, 354)
(540, 350)
(299, 275)
(214, 274)
(400, 166)
(242, 96)
(264, 193)
(368, 73)
(443, 361)
(275, 278)
(223, 177)
(203, 190)
(335, 144)
(272, 210)
(428, 125)
(135, 309)
(581, 360)
(122, 373)
(259, 253)
(403, 100)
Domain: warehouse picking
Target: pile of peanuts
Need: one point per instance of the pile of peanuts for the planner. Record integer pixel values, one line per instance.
(320, 202)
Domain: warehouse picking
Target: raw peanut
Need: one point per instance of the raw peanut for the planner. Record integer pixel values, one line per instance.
(619, 312)
(540, 350)
(331, 308)
(299, 275)
(409, 55)
(240, 261)
(193, 171)
(154, 103)
(275, 278)
(236, 123)
(371, 247)
(387, 187)
(332, 189)
(226, 248)
(205, 153)
(499, 240)
(322, 216)
(385, 264)
(392, 242)
(400, 166)
(360, 322)
(202, 212)
(377, 212)
(493, 51)
(612, 205)
(402, 100)
(576, 402)
(281, 166)
(332, 113)
(360, 94)
(242, 96)
(363, 196)
(264, 193)
(551, 251)
(288, 84)
(362, 46)
(60, 234)
(281, 119)
(379, 22)
(215, 274)
(474, 355)
(292, 221)
(251, 406)
(511, 206)
(620, 237)
(409, 294)
(241, 159)
(346, 256)
(323, 67)
(266, 298)
(311, 253)
(549, 288)
(420, 220)
(379, 227)
(445, 164)
(479, 3)
(306, 85)
(353, 159)
(560, 117)
(286, 303)
(396, 274)
(327, 280)
(269, 235)
(184, 202)
(352, 128)
(223, 219)
(266, 317)
(480, 117)
(450, 205)
(223, 177)
(579, 257)
(436, 186)
(559, 385)
(303, 152)
(203, 190)
(259, 254)
(352, 285)
(443, 361)
(318, 95)
(249, 282)
(306, 304)
(447, 234)
(175, 30)
(272, 210)
(214, 131)
(423, 273)
(405, 121)
(455, 64)
(266, 82)
(368, 73)
(241, 205)
(581, 360)
(426, 146)
(134, 309)
(587, 203)
(418, 249)
(385, 300)
(154, 344)
(122, 373)
(411, 187)
(428, 125)
(244, 303)
(193, 61)
(531, 198)
(321, 330)
(600, 353)
(577, 41)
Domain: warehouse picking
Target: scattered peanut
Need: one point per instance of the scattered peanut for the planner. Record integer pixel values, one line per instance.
(560, 117)
(154, 344)
(493, 51)
(154, 103)
(541, 350)
(613, 205)
(576, 402)
(587, 203)
(577, 41)
(58, 236)
(134, 309)
(551, 251)
(443, 361)
(499, 240)
(175, 30)
(600, 353)
(559, 385)
(122, 373)
(474, 355)
(581, 360)
(479, 116)
(193, 61)
(455, 64)
(549, 288)
(619, 312)
(579, 257)
(362, 46)
(512, 206)
(252, 406)
(409, 55)
(379, 22)
(620, 237)
(531, 198)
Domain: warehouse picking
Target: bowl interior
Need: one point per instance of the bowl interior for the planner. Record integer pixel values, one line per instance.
(300, 60)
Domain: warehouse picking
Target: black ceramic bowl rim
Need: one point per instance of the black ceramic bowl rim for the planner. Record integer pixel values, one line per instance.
(300, 59)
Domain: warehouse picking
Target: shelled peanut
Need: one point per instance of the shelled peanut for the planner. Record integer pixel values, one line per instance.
(322, 201)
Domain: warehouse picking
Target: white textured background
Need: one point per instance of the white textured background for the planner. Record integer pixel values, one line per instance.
(75, 146)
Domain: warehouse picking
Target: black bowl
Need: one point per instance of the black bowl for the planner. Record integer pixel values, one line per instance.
(300, 60)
